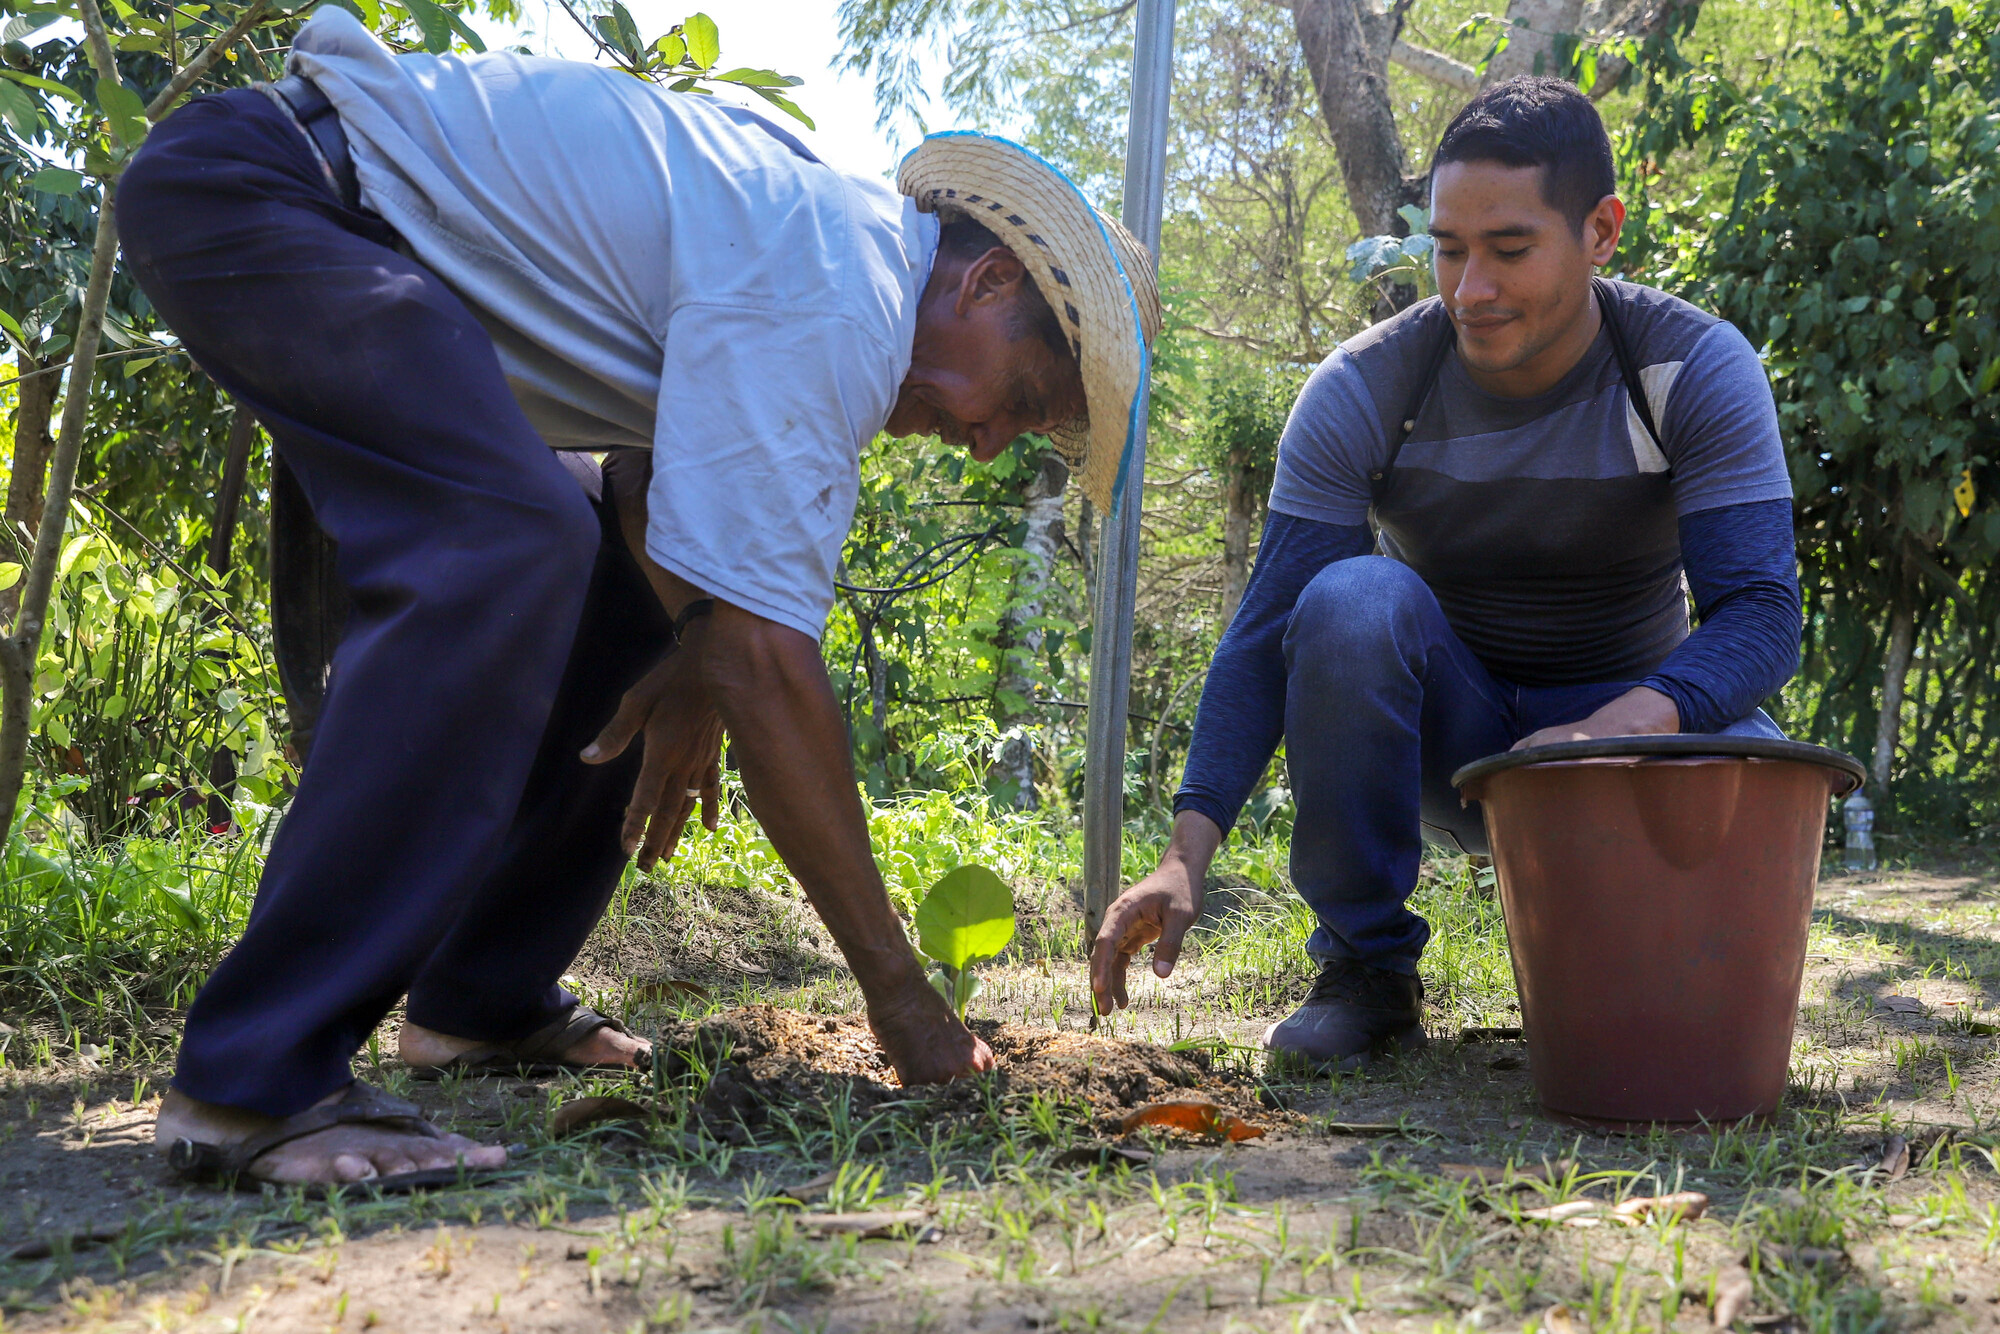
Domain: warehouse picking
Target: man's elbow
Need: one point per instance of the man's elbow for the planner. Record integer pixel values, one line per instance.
(751, 662)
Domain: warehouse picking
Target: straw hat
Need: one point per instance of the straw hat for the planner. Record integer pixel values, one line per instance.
(1095, 275)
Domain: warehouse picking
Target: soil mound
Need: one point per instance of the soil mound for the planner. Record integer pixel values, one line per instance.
(761, 1056)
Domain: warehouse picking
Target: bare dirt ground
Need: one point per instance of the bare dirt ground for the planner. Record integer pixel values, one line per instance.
(772, 1176)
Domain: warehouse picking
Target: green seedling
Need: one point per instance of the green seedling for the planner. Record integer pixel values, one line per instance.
(965, 920)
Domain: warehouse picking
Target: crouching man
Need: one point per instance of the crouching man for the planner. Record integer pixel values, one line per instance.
(421, 273)
(1542, 457)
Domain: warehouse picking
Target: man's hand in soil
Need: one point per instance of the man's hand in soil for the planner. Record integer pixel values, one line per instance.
(767, 683)
(1638, 712)
(1157, 911)
(683, 746)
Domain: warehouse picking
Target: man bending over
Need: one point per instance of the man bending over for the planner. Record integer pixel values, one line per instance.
(421, 273)
(1540, 457)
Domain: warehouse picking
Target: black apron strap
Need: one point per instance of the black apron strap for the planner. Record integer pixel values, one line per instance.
(1628, 369)
(1440, 347)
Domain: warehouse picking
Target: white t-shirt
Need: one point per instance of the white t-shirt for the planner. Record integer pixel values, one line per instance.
(656, 269)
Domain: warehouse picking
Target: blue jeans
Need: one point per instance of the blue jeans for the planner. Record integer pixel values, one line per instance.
(1383, 704)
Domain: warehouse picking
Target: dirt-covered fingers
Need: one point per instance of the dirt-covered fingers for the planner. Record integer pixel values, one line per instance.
(1131, 925)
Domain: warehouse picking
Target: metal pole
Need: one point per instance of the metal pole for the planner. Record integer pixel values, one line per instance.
(1118, 550)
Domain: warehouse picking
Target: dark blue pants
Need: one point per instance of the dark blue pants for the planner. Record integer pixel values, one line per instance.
(1383, 704)
(444, 841)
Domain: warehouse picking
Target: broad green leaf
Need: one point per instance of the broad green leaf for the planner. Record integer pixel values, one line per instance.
(759, 78)
(433, 23)
(627, 39)
(786, 105)
(46, 85)
(19, 110)
(57, 180)
(124, 109)
(21, 26)
(10, 574)
(13, 331)
(967, 918)
(704, 43)
(463, 29)
(672, 48)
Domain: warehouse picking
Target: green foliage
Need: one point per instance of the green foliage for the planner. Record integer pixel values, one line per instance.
(1397, 260)
(684, 57)
(143, 679)
(95, 933)
(1849, 224)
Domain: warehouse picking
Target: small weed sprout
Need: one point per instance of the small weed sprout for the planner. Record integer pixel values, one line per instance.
(965, 920)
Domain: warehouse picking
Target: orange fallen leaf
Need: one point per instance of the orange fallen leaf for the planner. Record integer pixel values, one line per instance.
(573, 1116)
(1197, 1118)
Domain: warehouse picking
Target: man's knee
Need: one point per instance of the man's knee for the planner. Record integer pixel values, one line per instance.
(1363, 601)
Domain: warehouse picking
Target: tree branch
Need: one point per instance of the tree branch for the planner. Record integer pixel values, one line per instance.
(191, 72)
(1435, 66)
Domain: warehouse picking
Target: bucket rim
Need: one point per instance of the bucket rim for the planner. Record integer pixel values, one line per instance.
(1645, 747)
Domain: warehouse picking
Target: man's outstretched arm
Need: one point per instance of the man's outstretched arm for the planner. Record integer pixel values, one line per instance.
(1236, 729)
(767, 686)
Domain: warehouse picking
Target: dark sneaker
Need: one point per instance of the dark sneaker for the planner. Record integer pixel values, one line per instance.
(1353, 1014)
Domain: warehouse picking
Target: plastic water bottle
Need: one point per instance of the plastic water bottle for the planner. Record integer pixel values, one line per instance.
(1857, 814)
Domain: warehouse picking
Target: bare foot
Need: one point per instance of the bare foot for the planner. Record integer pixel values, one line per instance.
(924, 1040)
(426, 1048)
(336, 1154)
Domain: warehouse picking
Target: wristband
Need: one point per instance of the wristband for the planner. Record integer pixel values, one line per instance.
(698, 607)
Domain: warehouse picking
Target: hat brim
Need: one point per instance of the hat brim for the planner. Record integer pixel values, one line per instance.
(1094, 274)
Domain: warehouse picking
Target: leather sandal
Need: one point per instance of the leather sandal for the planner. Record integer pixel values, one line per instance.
(362, 1105)
(539, 1053)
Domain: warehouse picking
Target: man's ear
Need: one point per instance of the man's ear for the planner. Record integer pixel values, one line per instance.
(992, 279)
(1601, 227)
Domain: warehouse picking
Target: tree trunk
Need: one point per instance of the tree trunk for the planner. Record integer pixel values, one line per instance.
(1895, 671)
(1022, 641)
(22, 641)
(878, 684)
(1532, 29)
(33, 403)
(229, 495)
(1347, 52)
(1239, 515)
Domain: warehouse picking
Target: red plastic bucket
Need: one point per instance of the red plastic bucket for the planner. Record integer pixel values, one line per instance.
(1657, 893)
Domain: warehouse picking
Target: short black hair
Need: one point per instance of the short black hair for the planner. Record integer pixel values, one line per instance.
(963, 240)
(1537, 122)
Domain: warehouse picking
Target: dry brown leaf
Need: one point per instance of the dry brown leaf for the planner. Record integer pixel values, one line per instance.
(1895, 1161)
(574, 1116)
(1196, 1117)
(1903, 1005)
(1688, 1204)
(1733, 1291)
(887, 1223)
(1560, 1320)
(1562, 1213)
